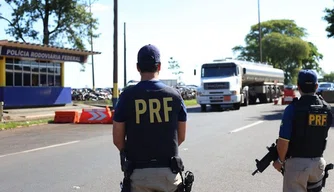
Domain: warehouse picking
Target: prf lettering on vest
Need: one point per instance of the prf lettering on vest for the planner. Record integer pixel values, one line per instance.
(154, 107)
(317, 119)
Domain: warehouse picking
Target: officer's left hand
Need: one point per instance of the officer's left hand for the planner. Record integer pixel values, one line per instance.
(277, 166)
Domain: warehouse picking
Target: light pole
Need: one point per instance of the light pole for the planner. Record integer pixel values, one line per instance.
(260, 38)
(124, 54)
(115, 84)
(91, 44)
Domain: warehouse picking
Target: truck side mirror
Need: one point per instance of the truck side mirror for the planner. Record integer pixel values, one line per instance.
(244, 70)
(194, 72)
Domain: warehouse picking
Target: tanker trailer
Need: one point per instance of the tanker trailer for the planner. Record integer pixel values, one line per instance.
(232, 83)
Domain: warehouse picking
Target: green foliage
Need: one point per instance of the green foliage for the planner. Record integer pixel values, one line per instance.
(174, 66)
(328, 77)
(329, 17)
(282, 47)
(64, 22)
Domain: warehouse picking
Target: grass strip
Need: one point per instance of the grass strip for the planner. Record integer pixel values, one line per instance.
(191, 102)
(16, 124)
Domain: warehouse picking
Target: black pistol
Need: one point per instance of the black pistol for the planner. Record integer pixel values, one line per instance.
(188, 181)
(126, 168)
(327, 168)
(271, 156)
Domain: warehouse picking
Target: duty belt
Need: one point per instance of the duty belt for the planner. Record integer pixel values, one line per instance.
(151, 164)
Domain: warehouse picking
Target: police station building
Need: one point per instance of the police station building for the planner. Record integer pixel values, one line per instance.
(32, 75)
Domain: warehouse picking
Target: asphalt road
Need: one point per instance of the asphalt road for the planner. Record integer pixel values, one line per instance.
(220, 149)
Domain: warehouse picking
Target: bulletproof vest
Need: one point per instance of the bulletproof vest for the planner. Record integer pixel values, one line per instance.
(312, 120)
(151, 128)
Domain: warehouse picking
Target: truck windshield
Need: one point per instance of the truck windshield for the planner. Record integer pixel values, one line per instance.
(218, 71)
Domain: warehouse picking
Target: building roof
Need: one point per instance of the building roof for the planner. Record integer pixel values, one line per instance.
(18, 44)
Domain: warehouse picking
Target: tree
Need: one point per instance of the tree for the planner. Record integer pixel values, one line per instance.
(329, 17)
(283, 47)
(63, 22)
(174, 66)
(329, 77)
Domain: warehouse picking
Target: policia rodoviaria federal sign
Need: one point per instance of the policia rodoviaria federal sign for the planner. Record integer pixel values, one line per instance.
(42, 55)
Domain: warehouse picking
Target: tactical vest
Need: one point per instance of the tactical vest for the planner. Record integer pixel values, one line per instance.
(312, 120)
(152, 124)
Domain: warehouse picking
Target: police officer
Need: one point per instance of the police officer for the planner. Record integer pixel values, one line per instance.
(302, 138)
(149, 124)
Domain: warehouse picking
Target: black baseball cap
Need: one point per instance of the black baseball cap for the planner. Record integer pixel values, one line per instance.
(307, 77)
(148, 55)
(307, 80)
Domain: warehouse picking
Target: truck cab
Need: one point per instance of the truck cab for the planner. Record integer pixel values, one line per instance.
(220, 85)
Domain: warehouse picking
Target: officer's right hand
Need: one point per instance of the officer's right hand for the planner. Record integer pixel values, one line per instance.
(277, 166)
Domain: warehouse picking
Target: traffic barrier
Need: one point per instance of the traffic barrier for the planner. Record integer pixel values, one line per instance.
(289, 95)
(275, 101)
(96, 116)
(66, 117)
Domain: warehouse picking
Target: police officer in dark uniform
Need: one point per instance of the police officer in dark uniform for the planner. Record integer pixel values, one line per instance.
(302, 138)
(149, 124)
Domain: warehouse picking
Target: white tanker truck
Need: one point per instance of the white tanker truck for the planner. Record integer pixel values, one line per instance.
(232, 83)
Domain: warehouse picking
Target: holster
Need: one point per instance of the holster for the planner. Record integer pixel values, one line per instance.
(127, 168)
(178, 167)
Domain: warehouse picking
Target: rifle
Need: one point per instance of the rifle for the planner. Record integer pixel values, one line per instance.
(271, 156)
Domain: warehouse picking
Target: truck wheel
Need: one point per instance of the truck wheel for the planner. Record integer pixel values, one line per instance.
(246, 101)
(236, 106)
(203, 108)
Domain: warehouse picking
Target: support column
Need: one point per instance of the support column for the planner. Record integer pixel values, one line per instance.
(2, 71)
(62, 74)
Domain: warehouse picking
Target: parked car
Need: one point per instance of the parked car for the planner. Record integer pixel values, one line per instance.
(325, 86)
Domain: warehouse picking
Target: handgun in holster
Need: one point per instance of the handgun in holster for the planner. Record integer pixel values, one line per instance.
(178, 167)
(127, 168)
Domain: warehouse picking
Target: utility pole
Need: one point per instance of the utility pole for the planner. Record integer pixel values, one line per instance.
(115, 85)
(260, 38)
(124, 54)
(91, 44)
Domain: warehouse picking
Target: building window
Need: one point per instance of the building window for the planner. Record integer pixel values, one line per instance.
(26, 79)
(9, 79)
(34, 79)
(32, 73)
(43, 80)
(18, 79)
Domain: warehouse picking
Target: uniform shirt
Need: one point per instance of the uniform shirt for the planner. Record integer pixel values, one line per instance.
(121, 109)
(148, 138)
(287, 123)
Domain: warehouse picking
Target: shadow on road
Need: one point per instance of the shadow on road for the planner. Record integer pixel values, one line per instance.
(208, 110)
(270, 116)
(333, 116)
(278, 114)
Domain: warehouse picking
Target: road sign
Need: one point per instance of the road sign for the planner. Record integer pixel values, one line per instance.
(98, 115)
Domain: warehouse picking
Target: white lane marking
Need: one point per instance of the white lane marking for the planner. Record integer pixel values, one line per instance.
(41, 148)
(76, 187)
(246, 127)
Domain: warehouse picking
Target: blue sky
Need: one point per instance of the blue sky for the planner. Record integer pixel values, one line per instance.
(191, 31)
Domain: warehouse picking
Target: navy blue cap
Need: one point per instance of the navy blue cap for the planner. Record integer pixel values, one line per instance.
(307, 77)
(148, 55)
